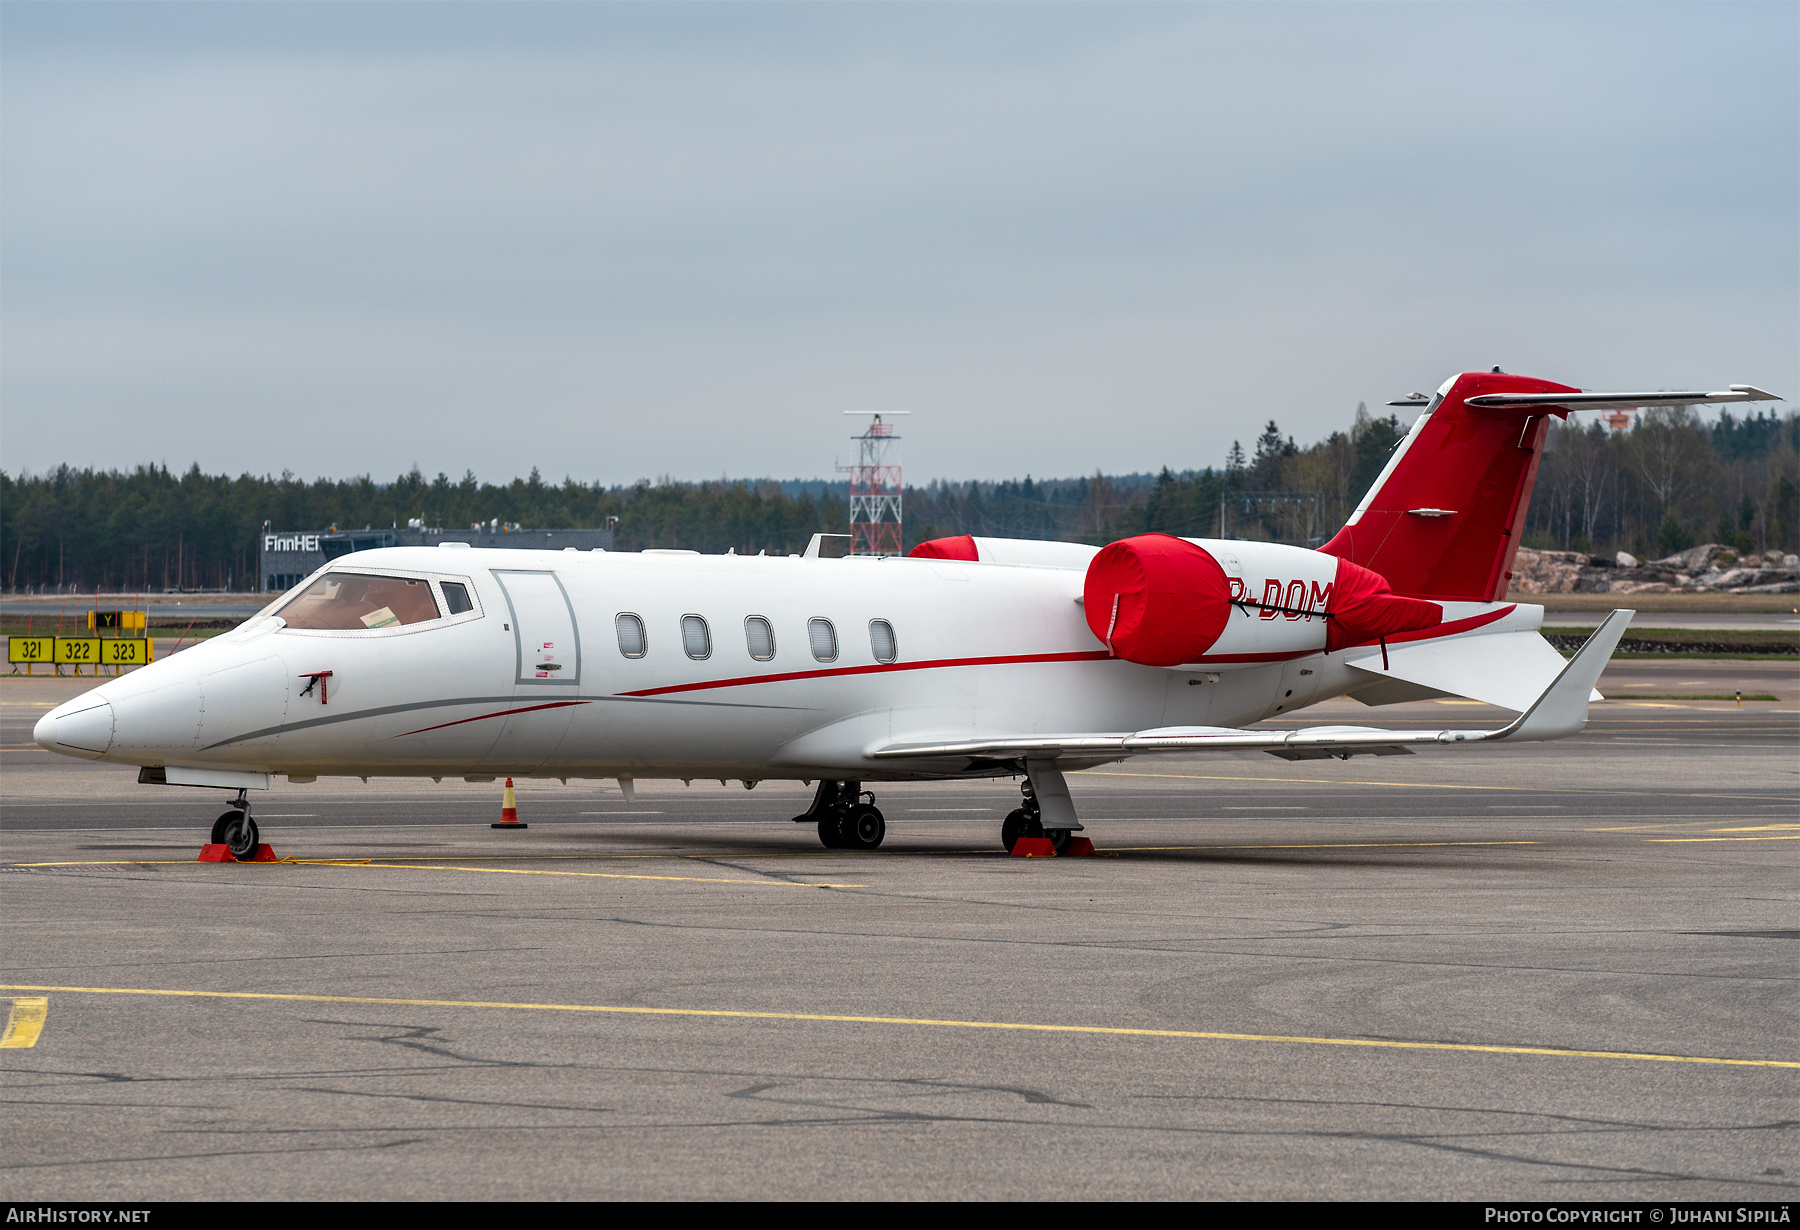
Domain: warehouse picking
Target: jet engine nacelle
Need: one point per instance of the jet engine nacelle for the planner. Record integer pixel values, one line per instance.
(1165, 601)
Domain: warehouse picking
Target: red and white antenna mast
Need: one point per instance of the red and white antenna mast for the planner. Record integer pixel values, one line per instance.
(875, 489)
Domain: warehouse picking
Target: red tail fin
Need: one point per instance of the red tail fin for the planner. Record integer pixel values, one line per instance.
(1443, 520)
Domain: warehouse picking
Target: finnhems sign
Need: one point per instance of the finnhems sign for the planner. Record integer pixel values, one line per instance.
(275, 543)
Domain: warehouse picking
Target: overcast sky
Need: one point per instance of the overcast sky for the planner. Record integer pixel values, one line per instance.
(622, 241)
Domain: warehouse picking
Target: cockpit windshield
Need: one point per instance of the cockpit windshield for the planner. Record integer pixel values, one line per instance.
(352, 601)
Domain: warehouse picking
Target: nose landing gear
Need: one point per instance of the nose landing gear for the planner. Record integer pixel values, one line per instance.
(847, 816)
(236, 831)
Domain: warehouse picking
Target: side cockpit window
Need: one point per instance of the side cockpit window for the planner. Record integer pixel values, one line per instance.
(456, 597)
(351, 601)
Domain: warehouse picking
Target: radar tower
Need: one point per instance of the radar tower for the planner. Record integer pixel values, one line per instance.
(875, 489)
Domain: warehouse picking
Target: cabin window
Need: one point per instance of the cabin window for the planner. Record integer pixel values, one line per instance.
(696, 641)
(881, 640)
(824, 639)
(456, 597)
(352, 601)
(760, 636)
(632, 642)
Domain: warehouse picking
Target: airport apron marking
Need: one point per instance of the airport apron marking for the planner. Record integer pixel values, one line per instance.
(596, 875)
(404, 862)
(399, 863)
(936, 1023)
(24, 1022)
(1323, 845)
(1337, 781)
(1672, 840)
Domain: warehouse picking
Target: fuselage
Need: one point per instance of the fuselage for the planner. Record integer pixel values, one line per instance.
(673, 664)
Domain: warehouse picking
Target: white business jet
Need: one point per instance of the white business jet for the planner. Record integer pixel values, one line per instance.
(973, 657)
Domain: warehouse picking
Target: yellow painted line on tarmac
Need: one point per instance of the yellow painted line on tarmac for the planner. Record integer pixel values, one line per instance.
(1756, 828)
(409, 866)
(1320, 781)
(1322, 845)
(934, 1023)
(1789, 837)
(1644, 828)
(594, 875)
(24, 1021)
(1336, 781)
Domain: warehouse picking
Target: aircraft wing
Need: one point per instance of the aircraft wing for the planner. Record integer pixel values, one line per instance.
(1560, 710)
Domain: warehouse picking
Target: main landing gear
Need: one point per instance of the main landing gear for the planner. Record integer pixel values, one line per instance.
(235, 830)
(1052, 816)
(846, 815)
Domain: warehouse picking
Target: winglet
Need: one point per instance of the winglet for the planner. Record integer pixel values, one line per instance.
(1563, 708)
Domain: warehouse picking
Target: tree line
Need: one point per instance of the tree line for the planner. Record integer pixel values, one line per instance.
(1669, 482)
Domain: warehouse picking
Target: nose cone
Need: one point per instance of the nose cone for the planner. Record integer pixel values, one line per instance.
(82, 727)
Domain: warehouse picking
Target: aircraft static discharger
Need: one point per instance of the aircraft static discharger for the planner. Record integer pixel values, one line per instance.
(973, 657)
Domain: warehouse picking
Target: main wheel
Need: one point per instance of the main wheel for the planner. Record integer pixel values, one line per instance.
(1016, 825)
(1059, 839)
(864, 828)
(831, 830)
(240, 835)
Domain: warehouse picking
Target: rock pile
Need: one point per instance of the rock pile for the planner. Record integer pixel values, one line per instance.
(1708, 569)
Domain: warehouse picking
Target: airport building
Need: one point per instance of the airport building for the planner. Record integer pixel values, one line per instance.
(285, 559)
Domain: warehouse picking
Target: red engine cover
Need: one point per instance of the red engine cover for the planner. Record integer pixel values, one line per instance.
(947, 548)
(1364, 608)
(1156, 599)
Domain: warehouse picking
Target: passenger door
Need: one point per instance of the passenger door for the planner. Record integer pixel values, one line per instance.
(547, 669)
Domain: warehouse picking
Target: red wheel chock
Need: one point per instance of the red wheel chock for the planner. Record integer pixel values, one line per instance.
(1043, 847)
(220, 853)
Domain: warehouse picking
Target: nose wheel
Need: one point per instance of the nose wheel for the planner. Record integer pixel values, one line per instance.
(236, 831)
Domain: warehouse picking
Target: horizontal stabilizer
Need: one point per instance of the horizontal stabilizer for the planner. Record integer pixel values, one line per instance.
(1618, 401)
(1509, 669)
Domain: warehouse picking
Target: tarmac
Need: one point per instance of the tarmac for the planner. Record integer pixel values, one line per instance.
(1549, 972)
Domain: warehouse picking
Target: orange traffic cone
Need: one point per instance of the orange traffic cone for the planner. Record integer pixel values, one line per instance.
(509, 811)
